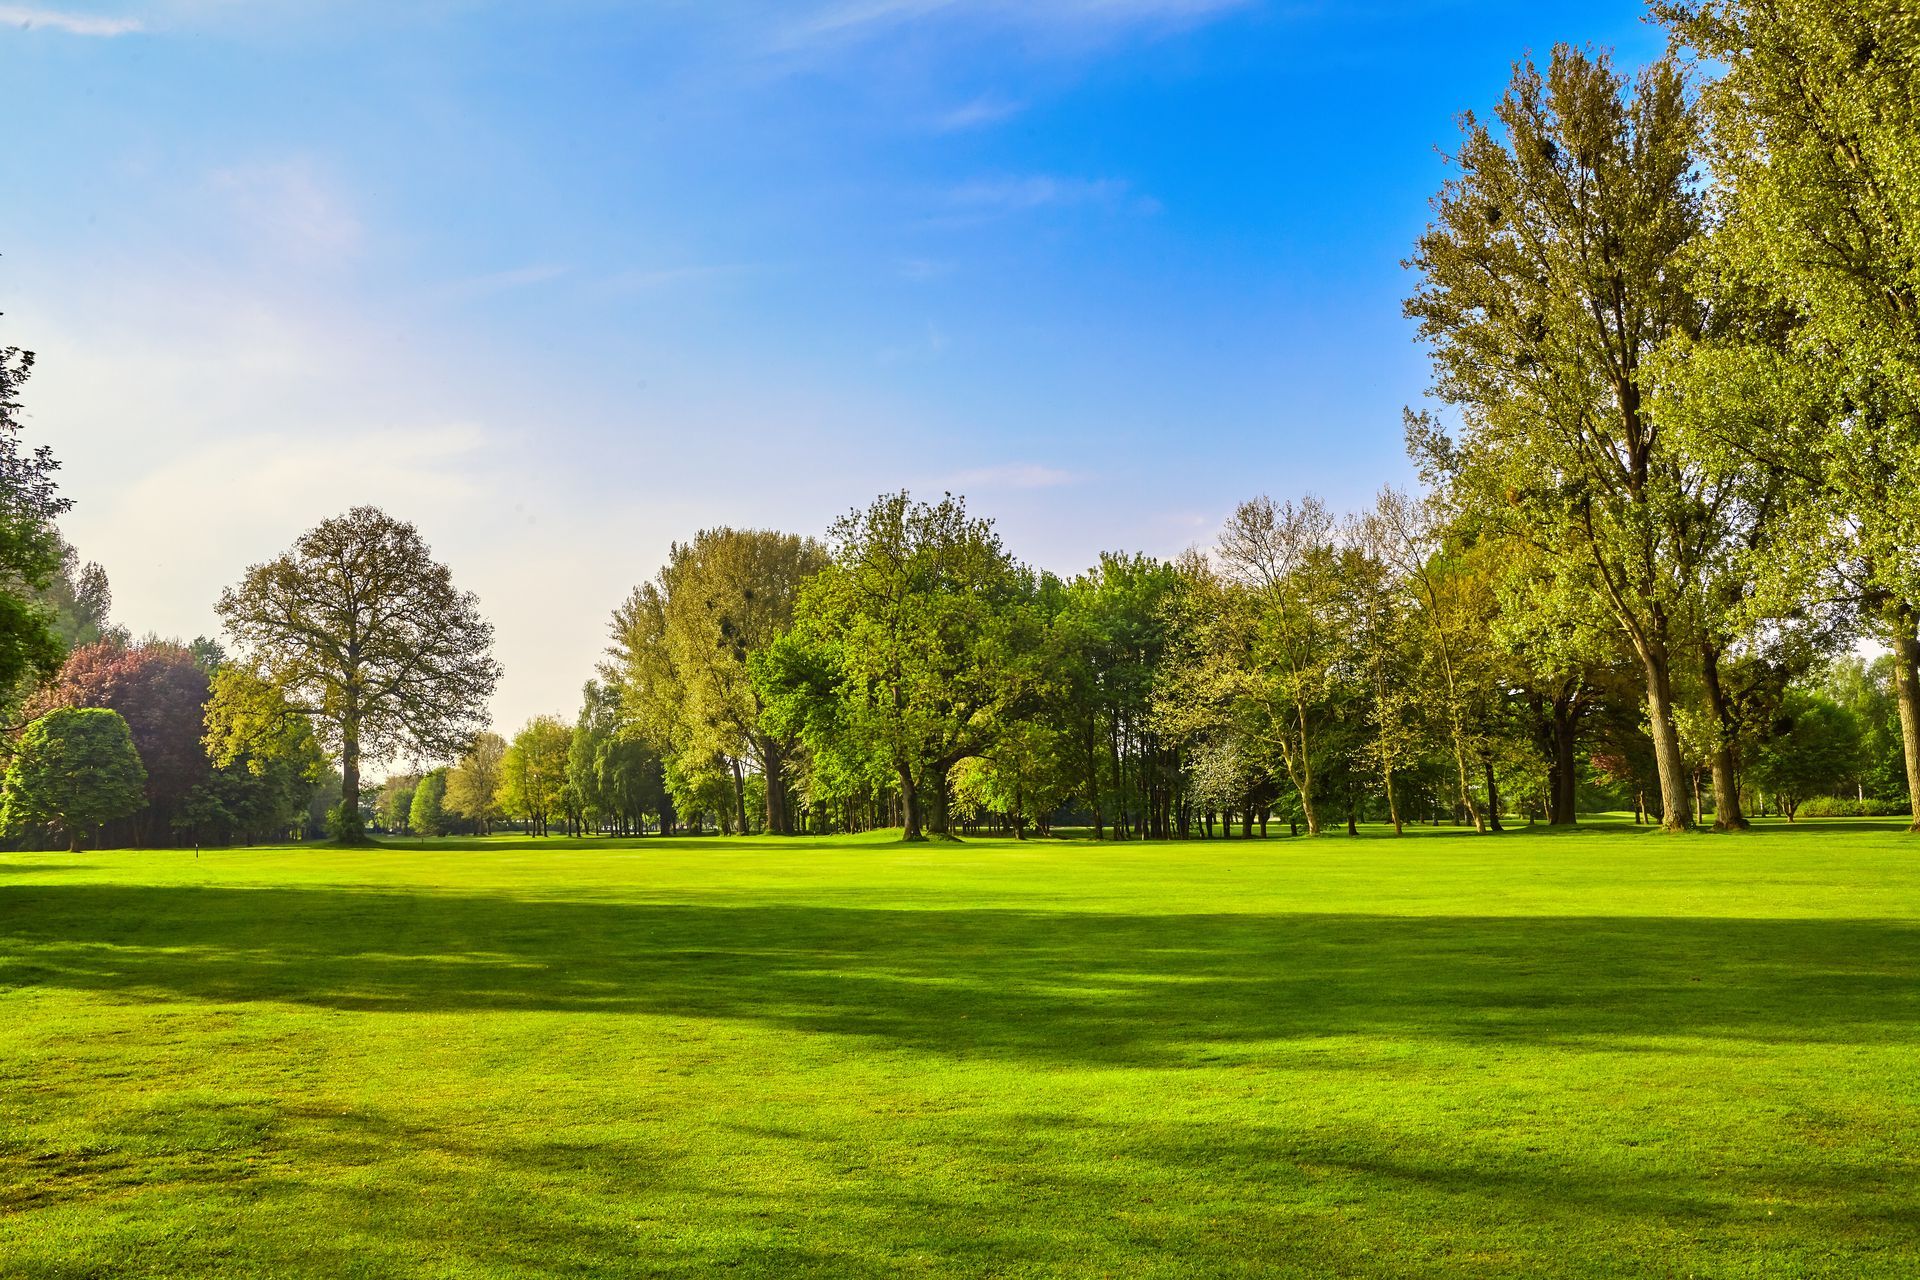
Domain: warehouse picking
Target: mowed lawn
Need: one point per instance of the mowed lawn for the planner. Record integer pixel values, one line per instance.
(1600, 1053)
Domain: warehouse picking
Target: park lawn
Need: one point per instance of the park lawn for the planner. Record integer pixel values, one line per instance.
(1592, 1053)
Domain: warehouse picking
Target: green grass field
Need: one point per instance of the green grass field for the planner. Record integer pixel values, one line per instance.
(1600, 1053)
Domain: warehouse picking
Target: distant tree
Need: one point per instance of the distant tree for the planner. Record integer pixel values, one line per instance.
(267, 764)
(394, 809)
(73, 769)
(722, 598)
(533, 773)
(80, 599)
(366, 633)
(427, 813)
(928, 626)
(1814, 748)
(162, 693)
(473, 784)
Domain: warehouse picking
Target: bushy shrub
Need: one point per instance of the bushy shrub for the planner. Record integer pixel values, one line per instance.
(1830, 807)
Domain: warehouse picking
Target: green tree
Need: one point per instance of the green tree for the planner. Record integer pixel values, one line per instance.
(721, 598)
(72, 770)
(533, 773)
(266, 762)
(395, 805)
(473, 784)
(928, 626)
(1814, 748)
(365, 632)
(1552, 273)
(1815, 137)
(427, 813)
(31, 552)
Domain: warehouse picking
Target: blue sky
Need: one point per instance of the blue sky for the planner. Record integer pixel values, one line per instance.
(563, 281)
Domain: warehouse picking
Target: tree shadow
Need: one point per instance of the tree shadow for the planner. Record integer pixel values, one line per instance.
(1049, 987)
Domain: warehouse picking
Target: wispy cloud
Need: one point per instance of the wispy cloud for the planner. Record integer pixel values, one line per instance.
(1015, 475)
(985, 110)
(291, 208)
(921, 270)
(851, 19)
(487, 285)
(646, 279)
(1018, 193)
(73, 24)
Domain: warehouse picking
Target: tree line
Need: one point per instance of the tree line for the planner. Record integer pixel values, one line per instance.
(1669, 478)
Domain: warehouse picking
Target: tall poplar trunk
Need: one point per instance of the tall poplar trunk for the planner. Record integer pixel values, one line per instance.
(1493, 798)
(1668, 762)
(1906, 692)
(1726, 786)
(1393, 805)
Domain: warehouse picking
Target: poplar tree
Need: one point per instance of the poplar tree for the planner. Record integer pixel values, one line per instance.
(1551, 273)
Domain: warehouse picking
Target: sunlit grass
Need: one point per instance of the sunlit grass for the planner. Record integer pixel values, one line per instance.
(1594, 1053)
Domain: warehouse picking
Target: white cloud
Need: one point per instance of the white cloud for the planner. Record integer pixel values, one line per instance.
(73, 24)
(1015, 475)
(985, 110)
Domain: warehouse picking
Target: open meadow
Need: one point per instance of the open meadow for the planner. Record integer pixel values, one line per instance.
(1587, 1053)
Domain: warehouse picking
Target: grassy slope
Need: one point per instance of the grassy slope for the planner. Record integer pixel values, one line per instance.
(1596, 1054)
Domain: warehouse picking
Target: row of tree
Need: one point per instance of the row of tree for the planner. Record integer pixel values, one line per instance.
(1673, 473)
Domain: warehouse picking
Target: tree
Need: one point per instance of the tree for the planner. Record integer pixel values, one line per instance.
(394, 810)
(473, 784)
(722, 598)
(427, 812)
(162, 693)
(73, 769)
(1270, 650)
(1551, 275)
(365, 632)
(1815, 136)
(31, 552)
(267, 764)
(533, 773)
(926, 622)
(1814, 747)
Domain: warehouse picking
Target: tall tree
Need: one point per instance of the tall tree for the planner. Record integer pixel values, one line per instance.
(427, 814)
(1815, 137)
(267, 764)
(31, 552)
(366, 633)
(1552, 272)
(73, 769)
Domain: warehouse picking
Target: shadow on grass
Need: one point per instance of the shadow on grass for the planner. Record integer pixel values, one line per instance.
(1047, 987)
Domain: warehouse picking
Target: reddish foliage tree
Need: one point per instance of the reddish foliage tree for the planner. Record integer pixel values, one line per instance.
(162, 693)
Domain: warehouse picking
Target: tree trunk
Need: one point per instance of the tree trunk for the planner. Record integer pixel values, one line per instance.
(939, 811)
(909, 807)
(773, 769)
(1906, 691)
(1672, 768)
(350, 783)
(1726, 786)
(1564, 780)
(1393, 806)
(1493, 798)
